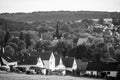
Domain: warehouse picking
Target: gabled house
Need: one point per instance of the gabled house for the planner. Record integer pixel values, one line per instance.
(7, 60)
(30, 61)
(45, 56)
(60, 65)
(97, 68)
(54, 61)
(50, 60)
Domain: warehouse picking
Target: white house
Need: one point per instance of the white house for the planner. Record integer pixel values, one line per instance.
(96, 68)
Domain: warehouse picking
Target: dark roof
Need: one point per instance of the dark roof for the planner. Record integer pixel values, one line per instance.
(45, 55)
(30, 60)
(102, 66)
(9, 58)
(57, 58)
(68, 61)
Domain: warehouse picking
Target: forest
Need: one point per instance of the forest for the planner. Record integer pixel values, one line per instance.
(20, 38)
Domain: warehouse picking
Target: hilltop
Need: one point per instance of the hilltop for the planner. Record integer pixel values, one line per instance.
(58, 15)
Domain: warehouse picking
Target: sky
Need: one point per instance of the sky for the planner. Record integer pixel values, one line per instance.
(13, 6)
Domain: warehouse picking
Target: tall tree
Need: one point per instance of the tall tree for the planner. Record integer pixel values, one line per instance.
(21, 45)
(7, 36)
(28, 40)
(101, 21)
(21, 37)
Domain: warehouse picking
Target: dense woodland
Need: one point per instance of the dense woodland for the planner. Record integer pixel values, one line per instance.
(30, 39)
(58, 15)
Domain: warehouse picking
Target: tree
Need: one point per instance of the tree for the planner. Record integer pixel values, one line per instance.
(89, 22)
(9, 50)
(116, 21)
(28, 40)
(42, 45)
(62, 47)
(14, 46)
(101, 21)
(21, 37)
(7, 36)
(14, 40)
(21, 45)
(2, 34)
(81, 52)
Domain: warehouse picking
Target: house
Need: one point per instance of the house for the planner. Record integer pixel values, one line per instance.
(97, 68)
(82, 40)
(54, 61)
(28, 61)
(45, 56)
(8, 60)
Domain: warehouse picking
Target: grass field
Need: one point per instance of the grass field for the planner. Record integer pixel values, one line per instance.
(15, 76)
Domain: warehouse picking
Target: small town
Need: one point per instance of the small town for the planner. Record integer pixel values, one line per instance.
(59, 45)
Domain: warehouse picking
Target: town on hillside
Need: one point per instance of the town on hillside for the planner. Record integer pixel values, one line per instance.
(87, 47)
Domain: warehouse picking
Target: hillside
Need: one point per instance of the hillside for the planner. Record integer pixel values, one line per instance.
(57, 15)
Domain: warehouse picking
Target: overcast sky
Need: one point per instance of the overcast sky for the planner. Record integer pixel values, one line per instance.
(56, 5)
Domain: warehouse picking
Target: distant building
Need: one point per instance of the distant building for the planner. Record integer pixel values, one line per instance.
(8, 61)
(82, 40)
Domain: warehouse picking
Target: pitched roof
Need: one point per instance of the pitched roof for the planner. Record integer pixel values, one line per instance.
(9, 58)
(44, 55)
(30, 60)
(57, 58)
(101, 66)
(1, 61)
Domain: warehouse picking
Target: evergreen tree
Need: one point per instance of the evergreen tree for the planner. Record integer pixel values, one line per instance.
(7, 36)
(21, 36)
(101, 21)
(28, 40)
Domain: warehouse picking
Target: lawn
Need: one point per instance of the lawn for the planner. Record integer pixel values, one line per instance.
(15, 76)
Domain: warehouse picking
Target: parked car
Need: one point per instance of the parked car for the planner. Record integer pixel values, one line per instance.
(30, 71)
(38, 70)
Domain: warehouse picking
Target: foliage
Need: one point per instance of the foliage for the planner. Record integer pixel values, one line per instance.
(42, 46)
(28, 40)
(9, 50)
(7, 37)
(62, 47)
(21, 45)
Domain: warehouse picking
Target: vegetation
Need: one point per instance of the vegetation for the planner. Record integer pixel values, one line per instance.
(103, 42)
(58, 15)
